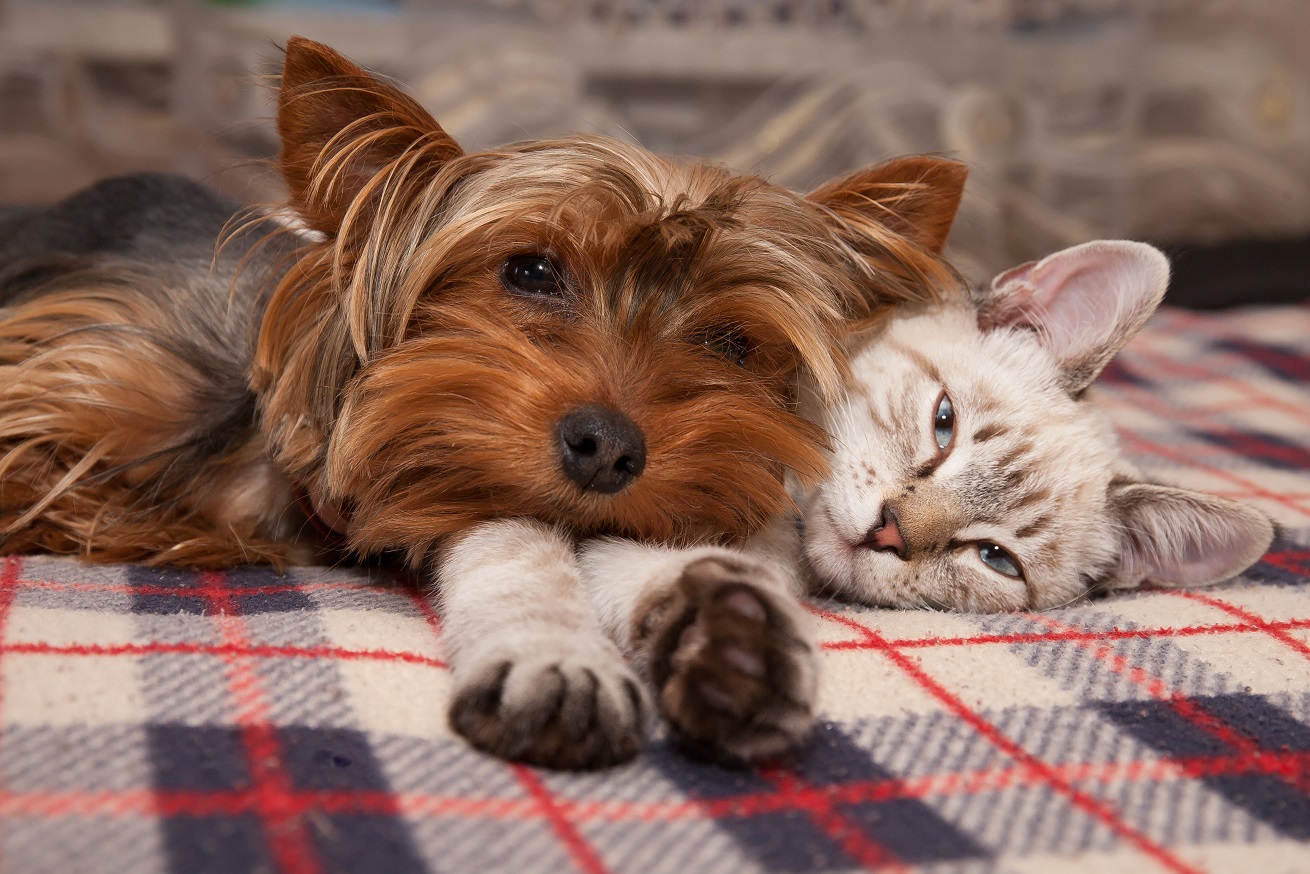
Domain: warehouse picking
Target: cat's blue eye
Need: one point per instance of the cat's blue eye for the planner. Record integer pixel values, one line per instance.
(999, 560)
(943, 422)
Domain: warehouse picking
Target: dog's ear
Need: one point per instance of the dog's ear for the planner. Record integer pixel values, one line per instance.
(893, 218)
(916, 197)
(339, 126)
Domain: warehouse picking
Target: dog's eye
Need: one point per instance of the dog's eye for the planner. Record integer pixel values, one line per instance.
(532, 274)
(728, 343)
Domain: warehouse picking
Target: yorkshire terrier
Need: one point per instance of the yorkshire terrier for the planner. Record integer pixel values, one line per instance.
(469, 360)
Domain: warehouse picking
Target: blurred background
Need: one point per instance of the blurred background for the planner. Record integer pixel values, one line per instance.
(1184, 122)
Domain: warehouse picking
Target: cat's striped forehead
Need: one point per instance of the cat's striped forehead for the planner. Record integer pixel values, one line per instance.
(1029, 447)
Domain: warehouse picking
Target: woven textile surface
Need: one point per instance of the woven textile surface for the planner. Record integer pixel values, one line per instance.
(243, 721)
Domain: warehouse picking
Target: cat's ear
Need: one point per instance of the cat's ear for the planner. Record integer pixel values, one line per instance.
(1176, 537)
(915, 197)
(1084, 303)
(339, 125)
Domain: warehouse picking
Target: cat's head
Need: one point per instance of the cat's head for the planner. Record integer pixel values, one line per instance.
(969, 472)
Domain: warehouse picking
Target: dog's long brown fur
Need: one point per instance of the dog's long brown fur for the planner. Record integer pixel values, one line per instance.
(110, 448)
(394, 378)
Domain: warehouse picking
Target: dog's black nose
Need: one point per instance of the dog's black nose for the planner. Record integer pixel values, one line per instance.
(601, 449)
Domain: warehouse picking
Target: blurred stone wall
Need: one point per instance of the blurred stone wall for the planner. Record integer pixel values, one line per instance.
(1159, 119)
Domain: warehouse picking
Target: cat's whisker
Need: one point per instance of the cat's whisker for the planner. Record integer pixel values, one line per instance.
(1073, 599)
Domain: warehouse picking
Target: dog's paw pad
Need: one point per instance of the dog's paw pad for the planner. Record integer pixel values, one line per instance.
(573, 711)
(734, 672)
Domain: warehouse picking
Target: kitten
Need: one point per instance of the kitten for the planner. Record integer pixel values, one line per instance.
(971, 472)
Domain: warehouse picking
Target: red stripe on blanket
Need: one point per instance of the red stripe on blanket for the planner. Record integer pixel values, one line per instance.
(425, 609)
(1251, 392)
(9, 579)
(1216, 373)
(184, 591)
(1276, 630)
(793, 793)
(581, 852)
(249, 650)
(1053, 636)
(1189, 460)
(285, 827)
(169, 803)
(1189, 710)
(1081, 800)
(1296, 562)
(549, 806)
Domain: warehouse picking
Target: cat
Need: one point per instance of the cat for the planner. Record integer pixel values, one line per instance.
(969, 472)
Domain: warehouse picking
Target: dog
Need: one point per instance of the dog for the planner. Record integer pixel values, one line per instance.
(467, 361)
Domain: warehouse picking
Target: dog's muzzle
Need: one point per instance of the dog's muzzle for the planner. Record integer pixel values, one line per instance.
(600, 449)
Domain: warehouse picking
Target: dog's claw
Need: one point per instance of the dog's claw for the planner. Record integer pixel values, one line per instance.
(577, 711)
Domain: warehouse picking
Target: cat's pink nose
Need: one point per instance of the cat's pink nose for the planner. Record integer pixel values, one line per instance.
(886, 535)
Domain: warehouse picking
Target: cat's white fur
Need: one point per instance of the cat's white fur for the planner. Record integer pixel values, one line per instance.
(1033, 467)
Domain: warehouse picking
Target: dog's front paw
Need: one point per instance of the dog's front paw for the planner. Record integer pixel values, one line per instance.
(735, 672)
(576, 706)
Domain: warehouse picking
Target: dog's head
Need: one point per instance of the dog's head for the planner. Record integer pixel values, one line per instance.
(575, 330)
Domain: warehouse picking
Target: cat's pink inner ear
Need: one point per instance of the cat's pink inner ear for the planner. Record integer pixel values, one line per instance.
(1084, 302)
(1177, 537)
(1012, 295)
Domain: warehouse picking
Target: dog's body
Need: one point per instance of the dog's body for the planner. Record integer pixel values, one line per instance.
(469, 360)
(127, 340)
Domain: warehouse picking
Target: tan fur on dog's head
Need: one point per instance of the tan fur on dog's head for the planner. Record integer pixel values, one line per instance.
(404, 373)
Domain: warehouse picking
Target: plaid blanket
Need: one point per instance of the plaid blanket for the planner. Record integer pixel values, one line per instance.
(245, 721)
